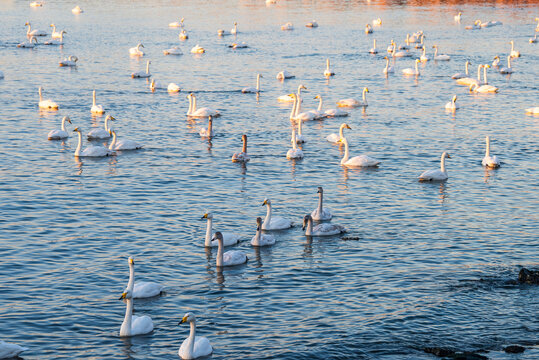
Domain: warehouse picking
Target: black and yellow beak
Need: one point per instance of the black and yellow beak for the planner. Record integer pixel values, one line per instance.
(123, 296)
(184, 319)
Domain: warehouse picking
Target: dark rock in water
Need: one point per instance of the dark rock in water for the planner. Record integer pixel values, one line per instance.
(439, 351)
(526, 276)
(514, 349)
(450, 354)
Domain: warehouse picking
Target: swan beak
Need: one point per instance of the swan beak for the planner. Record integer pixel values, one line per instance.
(205, 216)
(184, 319)
(132, 262)
(348, 127)
(448, 156)
(264, 203)
(123, 296)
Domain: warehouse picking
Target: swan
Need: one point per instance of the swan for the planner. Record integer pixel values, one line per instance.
(7, 350)
(194, 346)
(496, 61)
(274, 223)
(122, 145)
(287, 26)
(508, 69)
(69, 61)
(514, 53)
(229, 258)
(202, 112)
(490, 161)
(154, 85)
(436, 175)
(533, 111)
(483, 88)
(58, 41)
(209, 131)
(377, 22)
(30, 44)
(328, 72)
(99, 133)
(491, 23)
(176, 23)
(320, 213)
(96, 109)
(412, 72)
(172, 88)
(294, 153)
(324, 229)
(135, 51)
(234, 30)
(141, 289)
(242, 45)
(35, 32)
(312, 24)
(261, 239)
(318, 113)
(60, 134)
(420, 44)
(175, 50)
(457, 17)
(334, 138)
(284, 75)
(373, 50)
(92, 150)
(391, 46)
(46, 104)
(357, 161)
(134, 325)
(416, 36)
(252, 89)
(469, 81)
(77, 10)
(441, 57)
(290, 97)
(452, 104)
(407, 41)
(397, 54)
(354, 102)
(197, 49)
(462, 75)
(424, 57)
(388, 69)
(299, 137)
(55, 34)
(142, 74)
(36, 4)
(533, 40)
(368, 29)
(242, 156)
(228, 238)
(476, 25)
(183, 35)
(303, 116)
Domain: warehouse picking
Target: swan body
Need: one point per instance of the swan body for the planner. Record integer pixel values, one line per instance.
(377, 22)
(229, 258)
(491, 23)
(441, 57)
(57, 41)
(452, 104)
(337, 138)
(261, 239)
(229, 239)
(312, 24)
(77, 10)
(294, 153)
(335, 113)
(35, 32)
(533, 40)
(284, 75)
(321, 213)
(436, 174)
(490, 161)
(69, 61)
(55, 34)
(100, 133)
(373, 50)
(424, 57)
(173, 51)
(183, 35)
(469, 81)
(124, 144)
(412, 72)
(194, 346)
(533, 110)
(252, 89)
(202, 112)
(274, 223)
(242, 156)
(8, 351)
(514, 53)
(388, 69)
(357, 161)
(324, 229)
(354, 102)
(234, 30)
(401, 53)
(142, 289)
(30, 44)
(304, 116)
(508, 69)
(457, 17)
(462, 75)
(47, 104)
(35, 4)
(154, 85)
(287, 26)
(91, 151)
(134, 325)
(483, 88)
(209, 131)
(176, 24)
(135, 51)
(368, 29)
(328, 72)
(290, 97)
(96, 109)
(172, 87)
(143, 74)
(59, 134)
(197, 49)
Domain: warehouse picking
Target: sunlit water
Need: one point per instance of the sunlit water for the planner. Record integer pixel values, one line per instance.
(410, 280)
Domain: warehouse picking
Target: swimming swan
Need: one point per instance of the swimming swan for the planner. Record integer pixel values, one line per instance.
(197, 49)
(294, 153)
(46, 104)
(533, 111)
(209, 131)
(123, 144)
(457, 17)
(35, 32)
(388, 69)
(261, 239)
(55, 34)
(229, 239)
(242, 156)
(441, 57)
(514, 53)
(134, 325)
(183, 35)
(202, 112)
(324, 229)
(92, 150)
(100, 133)
(96, 109)
(77, 10)
(30, 44)
(142, 74)
(424, 57)
(334, 138)
(289, 97)
(508, 69)
(177, 23)
(321, 213)
(312, 24)
(368, 29)
(328, 72)
(69, 61)
(175, 50)
(135, 51)
(274, 223)
(490, 161)
(469, 81)
(357, 161)
(412, 72)
(318, 113)
(373, 50)
(284, 75)
(229, 258)
(462, 75)
(142, 289)
(252, 89)
(436, 174)
(452, 106)
(59, 134)
(354, 102)
(194, 346)
(58, 41)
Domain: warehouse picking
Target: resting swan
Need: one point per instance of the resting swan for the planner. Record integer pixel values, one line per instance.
(92, 150)
(229, 239)
(194, 346)
(60, 134)
(436, 174)
(328, 72)
(483, 88)
(55, 34)
(242, 156)
(320, 213)
(183, 35)
(77, 10)
(324, 229)
(334, 138)
(96, 109)
(142, 74)
(287, 26)
(135, 51)
(100, 133)
(357, 161)
(176, 23)
(354, 102)
(294, 153)
(134, 325)
(175, 50)
(452, 106)
(261, 239)
(252, 89)
(284, 75)
(229, 258)
(197, 49)
(46, 104)
(533, 111)
(142, 289)
(124, 144)
(373, 50)
(274, 223)
(490, 161)
(202, 112)
(69, 61)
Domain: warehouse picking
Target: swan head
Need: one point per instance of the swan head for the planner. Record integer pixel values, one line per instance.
(258, 223)
(127, 294)
(235, 23)
(207, 215)
(486, 66)
(66, 118)
(306, 219)
(454, 98)
(317, 97)
(140, 45)
(266, 202)
(365, 89)
(417, 61)
(434, 46)
(27, 23)
(110, 117)
(217, 236)
(52, 25)
(446, 155)
(76, 130)
(302, 87)
(131, 261)
(189, 317)
(320, 189)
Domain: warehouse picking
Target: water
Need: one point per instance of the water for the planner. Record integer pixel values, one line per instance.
(411, 280)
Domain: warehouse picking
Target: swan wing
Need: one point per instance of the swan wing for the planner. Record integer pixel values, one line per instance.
(141, 325)
(57, 134)
(327, 229)
(146, 289)
(234, 257)
(362, 161)
(324, 215)
(202, 347)
(431, 175)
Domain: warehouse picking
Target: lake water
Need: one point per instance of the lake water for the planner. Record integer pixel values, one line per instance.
(430, 264)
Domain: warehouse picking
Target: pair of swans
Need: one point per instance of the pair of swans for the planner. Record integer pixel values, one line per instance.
(357, 161)
(175, 50)
(354, 102)
(412, 71)
(469, 81)
(400, 53)
(9, 351)
(30, 44)
(452, 105)
(92, 150)
(123, 144)
(274, 223)
(303, 116)
(252, 89)
(143, 74)
(202, 112)
(46, 104)
(56, 34)
(242, 156)
(35, 32)
(69, 61)
(100, 133)
(171, 87)
(194, 346)
(436, 174)
(58, 40)
(324, 229)
(135, 51)
(229, 239)
(96, 109)
(294, 153)
(209, 131)
(233, 31)
(321, 213)
(441, 57)
(462, 75)
(328, 72)
(59, 134)
(338, 138)
(485, 88)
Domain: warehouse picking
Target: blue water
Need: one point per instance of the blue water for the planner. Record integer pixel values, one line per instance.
(427, 264)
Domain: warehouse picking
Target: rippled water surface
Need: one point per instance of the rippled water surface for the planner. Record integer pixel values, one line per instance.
(411, 276)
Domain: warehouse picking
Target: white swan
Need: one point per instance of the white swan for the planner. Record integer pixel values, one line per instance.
(368, 29)
(242, 156)
(476, 26)
(77, 10)
(234, 30)
(469, 81)
(59, 134)
(142, 289)
(533, 40)
(354, 102)
(55, 34)
(299, 137)
(252, 89)
(328, 72)
(373, 50)
(229, 239)
(176, 23)
(490, 161)
(100, 133)
(202, 112)
(209, 131)
(312, 24)
(324, 229)
(287, 26)
(508, 69)
(134, 325)
(47, 104)
(441, 57)
(318, 113)
(303, 116)
(36, 3)
(452, 106)
(57, 41)
(496, 61)
(400, 53)
(92, 150)
(175, 50)
(436, 174)
(420, 44)
(483, 88)
(412, 72)
(154, 85)
(8, 351)
(337, 138)
(392, 46)
(321, 213)
(424, 57)
(514, 53)
(274, 223)
(357, 161)
(229, 258)
(30, 44)
(377, 22)
(407, 42)
(457, 17)
(135, 51)
(462, 75)
(69, 61)
(197, 49)
(142, 74)
(183, 35)
(96, 109)
(533, 111)
(294, 153)
(284, 75)
(35, 32)
(388, 69)
(172, 88)
(290, 98)
(123, 144)
(194, 346)
(261, 239)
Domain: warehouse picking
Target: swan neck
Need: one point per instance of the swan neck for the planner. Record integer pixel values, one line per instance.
(435, 51)
(126, 326)
(374, 44)
(107, 123)
(320, 104)
(40, 95)
(148, 67)
(364, 95)
(209, 227)
(294, 140)
(485, 75)
(190, 105)
(299, 127)
(320, 203)
(64, 124)
(93, 98)
(293, 112)
(466, 67)
(345, 157)
(327, 64)
(113, 143)
(479, 72)
(192, 337)
(210, 127)
(267, 220)
(416, 67)
(244, 149)
(487, 152)
(219, 260)
(442, 163)
(387, 64)
(509, 61)
(309, 228)
(194, 104)
(258, 83)
(79, 146)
